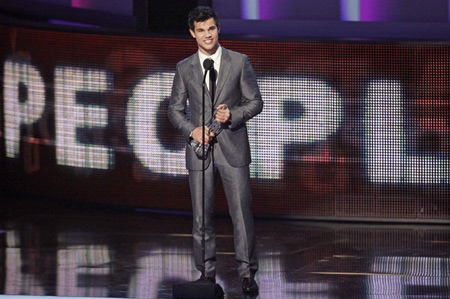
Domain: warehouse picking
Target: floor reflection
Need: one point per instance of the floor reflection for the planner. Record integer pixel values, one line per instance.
(52, 250)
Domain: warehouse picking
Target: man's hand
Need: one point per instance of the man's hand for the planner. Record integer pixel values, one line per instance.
(197, 135)
(223, 113)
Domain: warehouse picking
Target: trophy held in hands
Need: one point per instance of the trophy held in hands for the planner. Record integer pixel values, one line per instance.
(214, 127)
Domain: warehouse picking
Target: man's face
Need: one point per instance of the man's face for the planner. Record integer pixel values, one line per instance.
(207, 36)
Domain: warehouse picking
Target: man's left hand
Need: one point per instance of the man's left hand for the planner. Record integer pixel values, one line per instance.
(223, 113)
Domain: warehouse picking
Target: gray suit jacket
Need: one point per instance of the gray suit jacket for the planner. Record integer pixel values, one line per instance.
(236, 87)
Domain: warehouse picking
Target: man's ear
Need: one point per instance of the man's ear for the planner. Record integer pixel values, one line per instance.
(192, 33)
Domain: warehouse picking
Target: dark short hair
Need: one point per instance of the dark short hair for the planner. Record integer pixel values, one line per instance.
(201, 14)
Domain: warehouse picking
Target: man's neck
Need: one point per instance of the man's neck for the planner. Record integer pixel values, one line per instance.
(209, 53)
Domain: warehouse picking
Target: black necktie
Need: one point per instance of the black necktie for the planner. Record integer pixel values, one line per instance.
(212, 82)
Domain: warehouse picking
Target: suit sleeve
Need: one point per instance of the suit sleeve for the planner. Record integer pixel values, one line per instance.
(177, 106)
(251, 101)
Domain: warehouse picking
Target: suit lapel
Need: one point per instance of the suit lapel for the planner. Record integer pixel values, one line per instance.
(225, 66)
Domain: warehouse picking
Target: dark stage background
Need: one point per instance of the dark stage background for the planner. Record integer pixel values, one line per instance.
(350, 130)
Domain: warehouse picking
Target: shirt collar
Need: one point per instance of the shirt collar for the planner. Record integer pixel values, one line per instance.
(216, 57)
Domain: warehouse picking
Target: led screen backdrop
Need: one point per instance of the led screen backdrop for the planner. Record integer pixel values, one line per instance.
(348, 130)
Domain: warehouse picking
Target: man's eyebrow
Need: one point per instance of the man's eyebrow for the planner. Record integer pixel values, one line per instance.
(212, 27)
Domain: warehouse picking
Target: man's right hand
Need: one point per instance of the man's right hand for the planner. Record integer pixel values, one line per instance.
(197, 135)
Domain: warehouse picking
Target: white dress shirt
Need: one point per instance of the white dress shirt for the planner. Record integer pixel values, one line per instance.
(216, 57)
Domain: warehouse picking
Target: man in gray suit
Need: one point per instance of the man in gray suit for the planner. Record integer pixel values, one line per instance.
(237, 99)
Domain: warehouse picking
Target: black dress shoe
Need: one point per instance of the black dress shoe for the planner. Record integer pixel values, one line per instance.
(249, 285)
(212, 279)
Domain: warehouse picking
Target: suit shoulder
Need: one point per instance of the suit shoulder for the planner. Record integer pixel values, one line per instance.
(238, 58)
(236, 55)
(185, 62)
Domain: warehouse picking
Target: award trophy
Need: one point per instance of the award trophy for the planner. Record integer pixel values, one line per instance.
(214, 127)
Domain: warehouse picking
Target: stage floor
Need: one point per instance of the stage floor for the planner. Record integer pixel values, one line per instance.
(71, 250)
